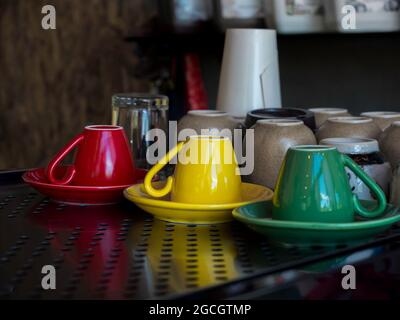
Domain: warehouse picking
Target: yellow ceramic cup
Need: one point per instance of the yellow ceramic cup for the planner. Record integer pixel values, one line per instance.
(206, 172)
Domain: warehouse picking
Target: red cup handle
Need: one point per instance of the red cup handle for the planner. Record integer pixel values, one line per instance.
(58, 158)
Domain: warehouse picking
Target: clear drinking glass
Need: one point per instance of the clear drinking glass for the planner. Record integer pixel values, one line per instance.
(138, 113)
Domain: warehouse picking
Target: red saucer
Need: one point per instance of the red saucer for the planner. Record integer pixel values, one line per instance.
(77, 195)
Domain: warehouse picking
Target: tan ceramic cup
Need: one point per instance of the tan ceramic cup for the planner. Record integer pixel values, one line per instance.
(395, 187)
(383, 118)
(212, 120)
(272, 139)
(348, 127)
(389, 142)
(323, 114)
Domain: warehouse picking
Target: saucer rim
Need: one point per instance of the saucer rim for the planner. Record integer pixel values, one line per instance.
(198, 207)
(28, 180)
(324, 226)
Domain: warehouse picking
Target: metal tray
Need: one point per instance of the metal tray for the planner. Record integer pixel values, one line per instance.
(120, 252)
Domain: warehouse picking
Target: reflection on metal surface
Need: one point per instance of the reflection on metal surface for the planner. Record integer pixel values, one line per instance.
(119, 252)
(88, 241)
(184, 257)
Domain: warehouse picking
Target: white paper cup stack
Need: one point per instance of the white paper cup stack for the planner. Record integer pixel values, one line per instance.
(250, 72)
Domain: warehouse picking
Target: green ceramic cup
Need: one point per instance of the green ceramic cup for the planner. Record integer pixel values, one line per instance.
(313, 186)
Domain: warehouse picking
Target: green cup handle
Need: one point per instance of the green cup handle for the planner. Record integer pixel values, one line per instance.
(371, 184)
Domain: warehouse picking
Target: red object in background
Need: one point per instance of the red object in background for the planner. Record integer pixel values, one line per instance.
(104, 158)
(196, 94)
(77, 194)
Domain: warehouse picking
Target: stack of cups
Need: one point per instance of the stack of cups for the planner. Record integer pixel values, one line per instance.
(250, 72)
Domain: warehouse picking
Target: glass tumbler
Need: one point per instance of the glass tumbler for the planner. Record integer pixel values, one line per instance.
(138, 113)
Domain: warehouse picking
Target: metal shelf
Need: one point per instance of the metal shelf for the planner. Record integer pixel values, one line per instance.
(119, 252)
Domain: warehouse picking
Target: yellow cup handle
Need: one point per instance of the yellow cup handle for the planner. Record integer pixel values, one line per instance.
(158, 193)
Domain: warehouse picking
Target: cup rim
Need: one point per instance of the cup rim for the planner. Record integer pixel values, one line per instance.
(207, 137)
(103, 127)
(381, 114)
(328, 110)
(281, 122)
(139, 100)
(312, 147)
(350, 120)
(208, 113)
(352, 145)
(251, 30)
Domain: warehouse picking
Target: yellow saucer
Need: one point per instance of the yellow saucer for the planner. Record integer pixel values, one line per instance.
(164, 209)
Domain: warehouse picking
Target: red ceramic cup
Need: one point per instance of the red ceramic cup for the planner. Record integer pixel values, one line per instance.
(103, 159)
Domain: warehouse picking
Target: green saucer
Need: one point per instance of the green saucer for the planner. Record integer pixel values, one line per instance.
(257, 216)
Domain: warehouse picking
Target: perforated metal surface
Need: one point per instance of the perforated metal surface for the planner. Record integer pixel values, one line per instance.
(119, 252)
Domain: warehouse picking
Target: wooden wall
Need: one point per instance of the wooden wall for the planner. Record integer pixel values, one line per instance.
(53, 82)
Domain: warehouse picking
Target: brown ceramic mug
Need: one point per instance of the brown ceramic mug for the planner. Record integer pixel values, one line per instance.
(395, 187)
(348, 127)
(213, 121)
(383, 118)
(389, 142)
(272, 139)
(323, 114)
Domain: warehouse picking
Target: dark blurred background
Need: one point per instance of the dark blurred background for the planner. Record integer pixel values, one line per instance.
(54, 82)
